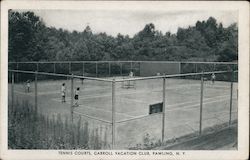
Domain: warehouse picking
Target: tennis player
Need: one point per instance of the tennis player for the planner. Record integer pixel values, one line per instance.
(77, 96)
(213, 78)
(63, 91)
(28, 86)
(131, 74)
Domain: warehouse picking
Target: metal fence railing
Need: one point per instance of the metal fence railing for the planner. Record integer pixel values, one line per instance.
(121, 105)
(121, 68)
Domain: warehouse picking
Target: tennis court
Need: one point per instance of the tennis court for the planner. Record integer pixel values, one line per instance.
(133, 121)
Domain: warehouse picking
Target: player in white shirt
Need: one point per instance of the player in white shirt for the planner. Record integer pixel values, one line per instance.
(131, 74)
(28, 86)
(213, 78)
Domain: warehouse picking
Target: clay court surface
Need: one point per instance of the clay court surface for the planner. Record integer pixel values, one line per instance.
(132, 105)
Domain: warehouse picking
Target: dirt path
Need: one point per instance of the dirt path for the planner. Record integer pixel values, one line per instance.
(225, 139)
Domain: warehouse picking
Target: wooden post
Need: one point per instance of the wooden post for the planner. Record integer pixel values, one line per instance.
(201, 103)
(12, 90)
(72, 97)
(163, 109)
(231, 99)
(36, 92)
(113, 114)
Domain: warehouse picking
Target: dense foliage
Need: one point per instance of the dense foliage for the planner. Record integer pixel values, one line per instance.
(31, 40)
(29, 130)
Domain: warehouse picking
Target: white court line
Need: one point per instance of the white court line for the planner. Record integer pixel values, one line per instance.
(189, 107)
(192, 106)
(99, 95)
(175, 104)
(205, 99)
(59, 92)
(107, 95)
(103, 110)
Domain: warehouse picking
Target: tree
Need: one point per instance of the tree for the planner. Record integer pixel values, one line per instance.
(24, 30)
(31, 40)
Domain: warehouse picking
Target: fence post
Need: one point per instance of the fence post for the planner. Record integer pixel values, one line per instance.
(72, 97)
(37, 66)
(96, 69)
(54, 67)
(36, 92)
(180, 68)
(70, 68)
(231, 98)
(17, 67)
(131, 65)
(201, 103)
(121, 68)
(12, 90)
(113, 114)
(164, 108)
(82, 70)
(109, 69)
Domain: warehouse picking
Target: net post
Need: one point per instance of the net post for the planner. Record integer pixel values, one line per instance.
(12, 89)
(201, 103)
(72, 97)
(164, 108)
(131, 65)
(36, 92)
(231, 98)
(113, 113)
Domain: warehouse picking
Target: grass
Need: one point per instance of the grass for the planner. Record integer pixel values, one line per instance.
(152, 144)
(29, 130)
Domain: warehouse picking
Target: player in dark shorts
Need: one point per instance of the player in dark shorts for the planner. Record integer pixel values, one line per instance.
(63, 92)
(77, 96)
